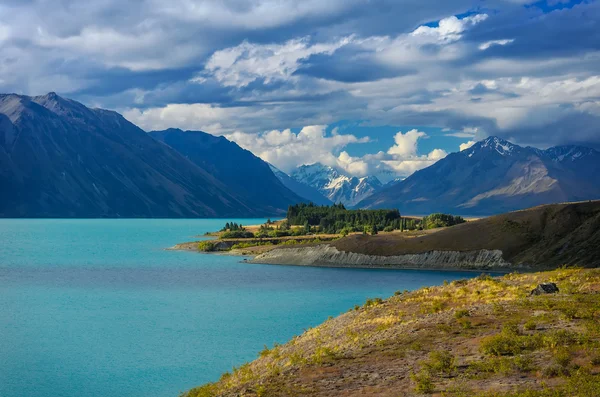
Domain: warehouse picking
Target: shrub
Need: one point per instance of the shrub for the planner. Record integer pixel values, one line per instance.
(423, 383)
(530, 325)
(323, 354)
(237, 234)
(373, 302)
(462, 313)
(207, 246)
(505, 344)
(439, 362)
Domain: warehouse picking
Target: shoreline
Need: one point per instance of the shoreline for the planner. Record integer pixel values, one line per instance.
(254, 258)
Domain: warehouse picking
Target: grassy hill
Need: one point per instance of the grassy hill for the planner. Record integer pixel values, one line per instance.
(479, 337)
(544, 237)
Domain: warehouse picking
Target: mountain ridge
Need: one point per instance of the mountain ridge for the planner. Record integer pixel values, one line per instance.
(59, 158)
(336, 186)
(244, 173)
(494, 176)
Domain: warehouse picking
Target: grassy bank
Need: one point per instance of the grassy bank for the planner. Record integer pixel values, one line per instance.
(479, 337)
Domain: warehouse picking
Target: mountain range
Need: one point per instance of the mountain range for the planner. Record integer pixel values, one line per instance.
(337, 187)
(495, 176)
(59, 158)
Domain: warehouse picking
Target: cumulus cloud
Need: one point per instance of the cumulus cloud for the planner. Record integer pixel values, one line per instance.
(466, 145)
(406, 144)
(403, 158)
(287, 150)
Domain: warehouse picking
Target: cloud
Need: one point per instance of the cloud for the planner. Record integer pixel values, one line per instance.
(488, 44)
(403, 158)
(288, 150)
(466, 145)
(449, 29)
(406, 144)
(239, 66)
(521, 69)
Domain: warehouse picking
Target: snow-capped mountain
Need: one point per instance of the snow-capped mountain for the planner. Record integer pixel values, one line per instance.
(336, 186)
(301, 189)
(495, 176)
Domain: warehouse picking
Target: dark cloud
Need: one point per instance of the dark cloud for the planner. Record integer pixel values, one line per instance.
(348, 65)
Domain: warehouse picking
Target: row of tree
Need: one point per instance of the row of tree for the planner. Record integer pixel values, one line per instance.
(335, 218)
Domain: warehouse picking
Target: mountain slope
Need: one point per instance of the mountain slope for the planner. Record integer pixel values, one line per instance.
(307, 192)
(334, 185)
(495, 176)
(61, 159)
(245, 174)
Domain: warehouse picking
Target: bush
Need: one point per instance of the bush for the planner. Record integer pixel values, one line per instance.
(207, 246)
(461, 313)
(237, 234)
(530, 325)
(423, 383)
(439, 362)
(373, 302)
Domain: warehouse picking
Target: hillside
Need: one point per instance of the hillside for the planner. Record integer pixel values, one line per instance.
(59, 158)
(479, 337)
(538, 238)
(245, 174)
(495, 176)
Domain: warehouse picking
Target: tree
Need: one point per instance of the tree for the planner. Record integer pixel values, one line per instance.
(374, 230)
(306, 227)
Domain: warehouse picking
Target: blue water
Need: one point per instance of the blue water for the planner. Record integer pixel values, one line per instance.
(99, 308)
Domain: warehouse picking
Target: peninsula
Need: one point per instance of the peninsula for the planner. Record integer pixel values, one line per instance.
(538, 238)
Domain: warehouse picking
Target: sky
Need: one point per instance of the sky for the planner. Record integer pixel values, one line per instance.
(372, 87)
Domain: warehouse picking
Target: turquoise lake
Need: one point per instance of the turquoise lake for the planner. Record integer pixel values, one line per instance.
(100, 308)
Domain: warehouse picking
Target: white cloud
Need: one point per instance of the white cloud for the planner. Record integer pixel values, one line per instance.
(239, 66)
(406, 144)
(488, 44)
(403, 158)
(288, 150)
(466, 145)
(449, 29)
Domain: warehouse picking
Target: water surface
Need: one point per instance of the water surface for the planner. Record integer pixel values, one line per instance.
(99, 308)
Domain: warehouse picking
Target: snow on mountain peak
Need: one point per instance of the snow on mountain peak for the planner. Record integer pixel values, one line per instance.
(337, 187)
(500, 145)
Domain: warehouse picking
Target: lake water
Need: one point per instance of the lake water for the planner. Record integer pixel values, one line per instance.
(99, 308)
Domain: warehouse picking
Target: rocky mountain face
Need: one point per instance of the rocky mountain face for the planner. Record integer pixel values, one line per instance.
(242, 172)
(59, 158)
(334, 185)
(495, 176)
(307, 192)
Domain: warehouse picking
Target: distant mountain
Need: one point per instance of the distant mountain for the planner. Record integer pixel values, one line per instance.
(59, 158)
(495, 176)
(309, 193)
(242, 172)
(334, 185)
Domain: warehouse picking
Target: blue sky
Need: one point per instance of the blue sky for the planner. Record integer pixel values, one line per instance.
(380, 87)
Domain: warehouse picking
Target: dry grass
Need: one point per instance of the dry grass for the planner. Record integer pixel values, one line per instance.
(543, 237)
(467, 338)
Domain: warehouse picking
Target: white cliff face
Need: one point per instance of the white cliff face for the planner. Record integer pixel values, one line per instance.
(334, 185)
(326, 255)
